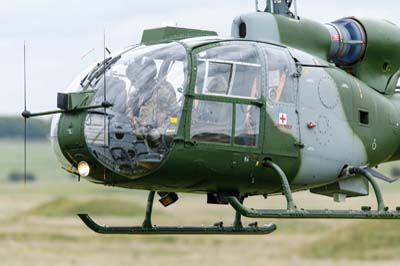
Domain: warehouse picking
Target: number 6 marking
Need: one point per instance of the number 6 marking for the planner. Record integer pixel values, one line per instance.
(374, 145)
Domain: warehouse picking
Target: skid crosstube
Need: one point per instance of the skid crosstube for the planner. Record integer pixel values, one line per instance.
(217, 229)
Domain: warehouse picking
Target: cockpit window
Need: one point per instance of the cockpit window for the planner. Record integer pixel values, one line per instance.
(146, 87)
(247, 125)
(280, 79)
(231, 69)
(211, 121)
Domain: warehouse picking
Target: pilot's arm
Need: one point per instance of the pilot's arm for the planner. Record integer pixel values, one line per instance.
(249, 110)
(281, 85)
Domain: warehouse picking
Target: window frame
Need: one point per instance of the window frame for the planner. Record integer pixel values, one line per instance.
(259, 102)
(233, 64)
(262, 46)
(206, 75)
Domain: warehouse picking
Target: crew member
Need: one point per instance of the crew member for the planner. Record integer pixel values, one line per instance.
(152, 102)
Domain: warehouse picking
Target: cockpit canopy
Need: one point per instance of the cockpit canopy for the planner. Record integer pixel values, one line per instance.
(145, 86)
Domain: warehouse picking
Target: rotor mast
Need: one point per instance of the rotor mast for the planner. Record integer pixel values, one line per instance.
(280, 7)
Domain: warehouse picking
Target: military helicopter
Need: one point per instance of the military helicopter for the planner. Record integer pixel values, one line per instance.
(285, 104)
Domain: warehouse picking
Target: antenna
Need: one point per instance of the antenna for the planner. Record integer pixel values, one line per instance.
(104, 66)
(25, 113)
(104, 101)
(87, 53)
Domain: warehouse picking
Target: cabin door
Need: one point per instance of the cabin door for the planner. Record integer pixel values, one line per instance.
(282, 135)
(226, 106)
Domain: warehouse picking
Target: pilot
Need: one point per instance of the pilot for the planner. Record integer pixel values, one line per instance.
(251, 122)
(209, 112)
(281, 85)
(217, 85)
(116, 93)
(152, 102)
(141, 73)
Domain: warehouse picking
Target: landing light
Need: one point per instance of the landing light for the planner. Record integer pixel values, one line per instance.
(83, 169)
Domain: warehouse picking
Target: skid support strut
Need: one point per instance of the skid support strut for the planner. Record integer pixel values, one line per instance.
(292, 211)
(148, 229)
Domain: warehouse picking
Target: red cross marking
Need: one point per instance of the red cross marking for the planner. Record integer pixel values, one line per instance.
(283, 119)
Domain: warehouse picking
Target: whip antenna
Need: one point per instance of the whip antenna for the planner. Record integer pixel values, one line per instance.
(25, 115)
(104, 100)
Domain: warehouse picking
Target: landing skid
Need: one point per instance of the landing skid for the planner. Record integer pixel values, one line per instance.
(148, 229)
(314, 214)
(294, 212)
(217, 229)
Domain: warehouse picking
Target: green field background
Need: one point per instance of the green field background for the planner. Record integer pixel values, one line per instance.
(39, 224)
(41, 160)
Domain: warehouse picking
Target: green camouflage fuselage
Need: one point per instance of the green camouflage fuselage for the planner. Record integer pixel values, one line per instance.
(336, 119)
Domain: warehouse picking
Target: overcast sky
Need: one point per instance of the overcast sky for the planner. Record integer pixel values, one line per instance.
(59, 34)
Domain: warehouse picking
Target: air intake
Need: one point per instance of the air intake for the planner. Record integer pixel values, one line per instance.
(348, 42)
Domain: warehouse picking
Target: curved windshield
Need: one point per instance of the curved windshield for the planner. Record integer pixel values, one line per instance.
(145, 86)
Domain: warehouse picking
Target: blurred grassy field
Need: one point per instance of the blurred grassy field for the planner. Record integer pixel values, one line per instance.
(39, 226)
(41, 161)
